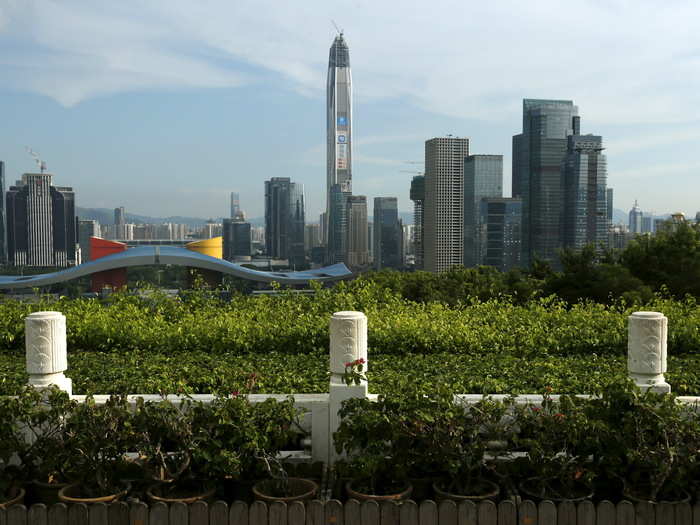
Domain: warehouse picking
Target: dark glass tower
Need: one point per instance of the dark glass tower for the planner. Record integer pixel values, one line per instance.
(538, 153)
(388, 233)
(284, 220)
(338, 129)
(3, 223)
(483, 177)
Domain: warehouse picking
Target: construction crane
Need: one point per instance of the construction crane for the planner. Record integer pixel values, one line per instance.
(414, 172)
(340, 31)
(37, 159)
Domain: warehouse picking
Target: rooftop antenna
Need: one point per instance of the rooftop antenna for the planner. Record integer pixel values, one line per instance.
(37, 159)
(340, 31)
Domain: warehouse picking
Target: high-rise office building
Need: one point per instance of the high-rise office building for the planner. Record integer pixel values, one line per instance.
(87, 229)
(417, 195)
(285, 217)
(635, 219)
(609, 203)
(338, 129)
(237, 240)
(388, 233)
(443, 208)
(357, 250)
(585, 210)
(538, 153)
(336, 248)
(119, 215)
(312, 237)
(3, 216)
(41, 226)
(499, 232)
(235, 204)
(483, 177)
(648, 225)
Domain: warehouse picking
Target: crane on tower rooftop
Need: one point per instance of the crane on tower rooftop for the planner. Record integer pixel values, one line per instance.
(37, 159)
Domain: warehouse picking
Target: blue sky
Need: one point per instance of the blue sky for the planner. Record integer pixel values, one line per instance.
(166, 106)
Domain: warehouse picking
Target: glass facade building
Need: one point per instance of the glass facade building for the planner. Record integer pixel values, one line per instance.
(499, 232)
(585, 211)
(483, 177)
(285, 217)
(417, 195)
(338, 225)
(538, 153)
(388, 233)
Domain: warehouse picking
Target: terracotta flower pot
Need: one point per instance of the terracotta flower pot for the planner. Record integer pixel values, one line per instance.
(300, 489)
(46, 492)
(399, 496)
(526, 487)
(490, 491)
(16, 497)
(73, 494)
(199, 492)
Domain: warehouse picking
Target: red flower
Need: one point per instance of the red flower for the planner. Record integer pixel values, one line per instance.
(536, 409)
(361, 361)
(348, 364)
(235, 393)
(559, 415)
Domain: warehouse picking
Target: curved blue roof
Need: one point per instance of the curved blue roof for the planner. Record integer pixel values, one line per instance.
(150, 255)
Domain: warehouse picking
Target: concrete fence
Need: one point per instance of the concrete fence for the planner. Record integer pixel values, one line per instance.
(47, 363)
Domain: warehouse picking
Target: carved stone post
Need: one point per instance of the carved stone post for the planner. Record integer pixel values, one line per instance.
(646, 350)
(348, 331)
(45, 343)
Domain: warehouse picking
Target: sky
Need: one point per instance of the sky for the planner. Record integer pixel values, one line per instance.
(166, 106)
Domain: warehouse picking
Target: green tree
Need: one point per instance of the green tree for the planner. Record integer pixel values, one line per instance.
(670, 258)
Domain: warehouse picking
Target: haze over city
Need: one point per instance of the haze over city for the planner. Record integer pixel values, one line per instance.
(168, 107)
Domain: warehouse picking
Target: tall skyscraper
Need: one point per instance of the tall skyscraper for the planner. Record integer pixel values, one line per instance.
(538, 153)
(417, 195)
(284, 220)
(499, 232)
(3, 216)
(358, 252)
(119, 216)
(443, 208)
(388, 233)
(338, 126)
(40, 222)
(585, 210)
(483, 177)
(609, 203)
(635, 218)
(336, 248)
(235, 204)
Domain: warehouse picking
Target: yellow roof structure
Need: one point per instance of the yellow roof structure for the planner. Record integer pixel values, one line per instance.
(213, 247)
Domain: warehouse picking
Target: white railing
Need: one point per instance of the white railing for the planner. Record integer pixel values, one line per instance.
(46, 352)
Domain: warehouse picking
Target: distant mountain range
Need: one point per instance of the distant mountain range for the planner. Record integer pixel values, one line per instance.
(106, 216)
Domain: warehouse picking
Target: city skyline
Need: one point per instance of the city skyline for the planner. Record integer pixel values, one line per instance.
(143, 108)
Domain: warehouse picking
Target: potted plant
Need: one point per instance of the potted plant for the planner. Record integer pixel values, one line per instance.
(279, 486)
(658, 452)
(12, 446)
(462, 437)
(169, 443)
(556, 437)
(365, 435)
(44, 459)
(98, 438)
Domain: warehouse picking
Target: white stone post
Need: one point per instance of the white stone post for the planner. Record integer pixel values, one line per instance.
(348, 331)
(45, 343)
(646, 350)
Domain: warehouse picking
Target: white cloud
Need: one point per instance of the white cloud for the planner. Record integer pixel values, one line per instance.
(622, 60)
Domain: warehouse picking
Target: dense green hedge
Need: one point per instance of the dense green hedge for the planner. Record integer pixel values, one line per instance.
(198, 343)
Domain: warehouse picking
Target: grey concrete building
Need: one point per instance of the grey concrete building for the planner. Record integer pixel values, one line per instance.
(585, 209)
(357, 249)
(41, 227)
(87, 229)
(443, 208)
